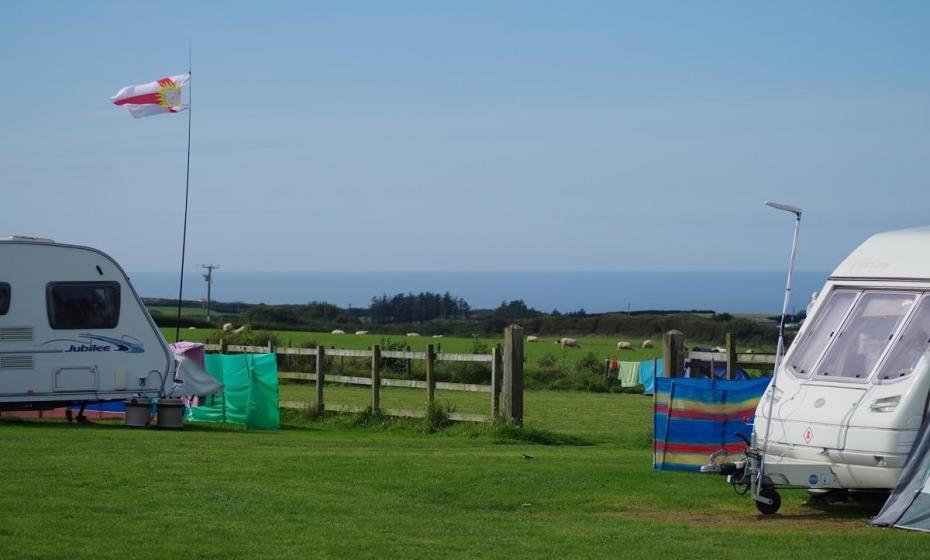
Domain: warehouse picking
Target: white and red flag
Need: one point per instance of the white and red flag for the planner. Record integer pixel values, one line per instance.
(153, 98)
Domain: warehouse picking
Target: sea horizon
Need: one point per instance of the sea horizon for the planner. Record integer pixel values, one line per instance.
(566, 291)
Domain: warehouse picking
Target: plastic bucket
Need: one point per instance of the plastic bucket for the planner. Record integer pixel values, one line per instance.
(171, 414)
(138, 412)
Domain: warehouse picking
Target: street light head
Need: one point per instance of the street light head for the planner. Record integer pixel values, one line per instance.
(787, 208)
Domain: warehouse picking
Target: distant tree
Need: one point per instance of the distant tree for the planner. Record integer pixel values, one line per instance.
(516, 309)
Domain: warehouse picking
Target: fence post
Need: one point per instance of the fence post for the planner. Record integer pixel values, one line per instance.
(270, 346)
(731, 356)
(673, 353)
(513, 374)
(376, 378)
(495, 381)
(224, 346)
(430, 376)
(320, 374)
(407, 361)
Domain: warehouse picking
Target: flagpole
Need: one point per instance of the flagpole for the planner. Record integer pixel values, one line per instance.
(187, 189)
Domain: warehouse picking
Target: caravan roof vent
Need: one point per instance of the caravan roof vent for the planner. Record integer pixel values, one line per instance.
(26, 238)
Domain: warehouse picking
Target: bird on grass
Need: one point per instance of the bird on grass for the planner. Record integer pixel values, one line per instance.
(528, 457)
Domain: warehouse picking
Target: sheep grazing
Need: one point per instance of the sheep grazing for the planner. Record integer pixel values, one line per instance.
(532, 338)
(568, 342)
(750, 351)
(241, 329)
(720, 350)
(337, 331)
(437, 336)
(361, 332)
(647, 344)
(624, 345)
(413, 334)
(227, 327)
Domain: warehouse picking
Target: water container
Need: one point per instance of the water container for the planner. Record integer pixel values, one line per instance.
(171, 414)
(138, 412)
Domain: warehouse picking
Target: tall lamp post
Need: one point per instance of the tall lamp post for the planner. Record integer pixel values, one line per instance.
(761, 491)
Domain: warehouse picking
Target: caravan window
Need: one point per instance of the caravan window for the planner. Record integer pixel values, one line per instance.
(83, 305)
(822, 331)
(867, 332)
(910, 346)
(4, 298)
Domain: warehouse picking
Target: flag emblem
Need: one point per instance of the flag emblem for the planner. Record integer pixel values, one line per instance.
(169, 95)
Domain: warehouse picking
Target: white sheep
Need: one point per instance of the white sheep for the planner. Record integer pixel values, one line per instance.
(227, 327)
(647, 343)
(720, 350)
(413, 334)
(241, 329)
(532, 338)
(568, 342)
(624, 345)
(337, 331)
(361, 332)
(437, 336)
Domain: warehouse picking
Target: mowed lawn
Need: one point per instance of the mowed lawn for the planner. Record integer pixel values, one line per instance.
(331, 489)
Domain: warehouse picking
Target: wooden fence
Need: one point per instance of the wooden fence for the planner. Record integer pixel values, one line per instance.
(674, 355)
(506, 376)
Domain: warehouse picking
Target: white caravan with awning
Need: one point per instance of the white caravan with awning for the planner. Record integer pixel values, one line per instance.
(73, 329)
(854, 388)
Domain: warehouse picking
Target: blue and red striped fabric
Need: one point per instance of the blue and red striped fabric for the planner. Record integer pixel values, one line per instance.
(694, 418)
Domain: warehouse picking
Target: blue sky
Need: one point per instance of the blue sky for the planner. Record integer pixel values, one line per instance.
(469, 136)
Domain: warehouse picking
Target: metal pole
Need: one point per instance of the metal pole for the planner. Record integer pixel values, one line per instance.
(781, 339)
(187, 188)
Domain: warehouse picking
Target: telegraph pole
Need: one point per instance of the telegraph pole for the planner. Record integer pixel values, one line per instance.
(209, 279)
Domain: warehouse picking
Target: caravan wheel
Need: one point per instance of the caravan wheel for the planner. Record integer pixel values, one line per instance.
(770, 493)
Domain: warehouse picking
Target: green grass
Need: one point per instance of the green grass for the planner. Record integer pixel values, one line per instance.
(332, 489)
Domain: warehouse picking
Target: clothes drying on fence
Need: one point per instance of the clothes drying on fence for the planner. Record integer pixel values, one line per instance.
(648, 371)
(695, 418)
(629, 374)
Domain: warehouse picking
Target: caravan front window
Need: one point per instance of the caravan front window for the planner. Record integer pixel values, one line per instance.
(4, 298)
(822, 331)
(911, 345)
(869, 329)
(82, 305)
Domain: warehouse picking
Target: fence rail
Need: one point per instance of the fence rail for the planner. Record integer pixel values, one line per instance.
(386, 382)
(506, 376)
(742, 359)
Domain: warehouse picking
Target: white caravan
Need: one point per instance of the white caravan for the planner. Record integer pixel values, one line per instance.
(854, 388)
(73, 329)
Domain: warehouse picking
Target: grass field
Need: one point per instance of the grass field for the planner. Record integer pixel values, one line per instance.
(334, 489)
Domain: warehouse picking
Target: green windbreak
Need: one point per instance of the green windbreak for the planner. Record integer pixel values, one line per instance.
(250, 391)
